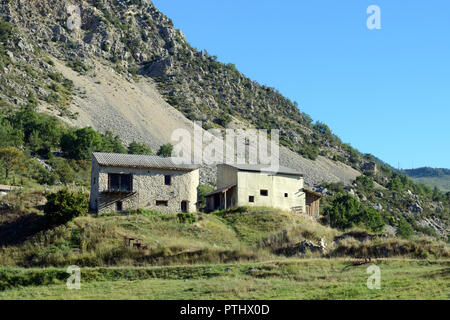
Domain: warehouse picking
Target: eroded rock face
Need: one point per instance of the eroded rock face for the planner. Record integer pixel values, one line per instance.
(302, 247)
(416, 208)
(436, 224)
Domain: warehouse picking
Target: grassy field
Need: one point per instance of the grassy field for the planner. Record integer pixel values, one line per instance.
(286, 279)
(241, 254)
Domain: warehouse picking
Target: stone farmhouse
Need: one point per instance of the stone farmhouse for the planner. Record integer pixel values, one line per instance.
(123, 182)
(249, 185)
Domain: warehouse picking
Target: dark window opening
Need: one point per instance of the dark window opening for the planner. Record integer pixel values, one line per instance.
(119, 206)
(167, 180)
(184, 206)
(162, 203)
(251, 199)
(285, 195)
(264, 193)
(120, 182)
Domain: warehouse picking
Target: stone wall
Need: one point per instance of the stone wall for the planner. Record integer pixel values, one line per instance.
(148, 188)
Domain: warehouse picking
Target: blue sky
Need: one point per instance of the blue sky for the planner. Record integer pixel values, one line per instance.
(386, 92)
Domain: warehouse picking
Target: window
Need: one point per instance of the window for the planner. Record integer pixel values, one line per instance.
(120, 182)
(119, 206)
(162, 203)
(251, 199)
(264, 193)
(285, 195)
(184, 206)
(167, 180)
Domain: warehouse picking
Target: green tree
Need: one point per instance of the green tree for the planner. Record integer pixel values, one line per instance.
(35, 142)
(139, 148)
(34, 124)
(404, 229)
(202, 191)
(396, 184)
(165, 150)
(370, 218)
(343, 210)
(365, 182)
(346, 211)
(12, 159)
(9, 136)
(112, 144)
(65, 172)
(65, 205)
(5, 31)
(80, 144)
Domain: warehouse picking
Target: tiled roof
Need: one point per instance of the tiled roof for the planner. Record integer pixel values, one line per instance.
(141, 161)
(265, 169)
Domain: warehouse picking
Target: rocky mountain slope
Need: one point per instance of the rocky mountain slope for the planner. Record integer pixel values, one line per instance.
(126, 69)
(120, 65)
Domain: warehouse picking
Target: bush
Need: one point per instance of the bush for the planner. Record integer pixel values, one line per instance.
(202, 191)
(404, 229)
(65, 205)
(343, 211)
(139, 148)
(364, 182)
(79, 144)
(346, 211)
(187, 217)
(165, 150)
(5, 31)
(370, 218)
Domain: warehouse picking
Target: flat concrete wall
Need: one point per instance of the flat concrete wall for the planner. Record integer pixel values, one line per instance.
(226, 176)
(148, 188)
(277, 186)
(284, 191)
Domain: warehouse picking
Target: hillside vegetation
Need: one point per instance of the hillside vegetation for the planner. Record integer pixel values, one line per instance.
(223, 237)
(136, 42)
(439, 178)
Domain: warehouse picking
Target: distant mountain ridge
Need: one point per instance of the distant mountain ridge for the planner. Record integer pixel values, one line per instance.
(427, 172)
(433, 177)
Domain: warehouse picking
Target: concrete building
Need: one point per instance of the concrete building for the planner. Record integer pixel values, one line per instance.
(250, 185)
(122, 182)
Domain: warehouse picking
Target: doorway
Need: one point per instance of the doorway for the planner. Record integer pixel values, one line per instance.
(184, 206)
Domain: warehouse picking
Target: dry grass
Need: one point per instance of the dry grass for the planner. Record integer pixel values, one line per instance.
(240, 236)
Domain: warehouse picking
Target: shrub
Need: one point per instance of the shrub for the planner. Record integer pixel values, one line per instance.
(79, 144)
(139, 148)
(346, 211)
(343, 210)
(187, 217)
(224, 119)
(371, 218)
(11, 159)
(202, 191)
(5, 31)
(65, 205)
(165, 150)
(404, 229)
(365, 182)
